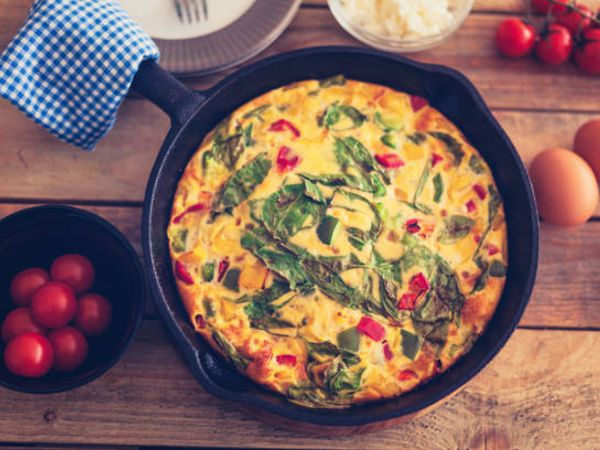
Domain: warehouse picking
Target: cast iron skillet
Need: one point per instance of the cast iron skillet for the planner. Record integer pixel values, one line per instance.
(194, 114)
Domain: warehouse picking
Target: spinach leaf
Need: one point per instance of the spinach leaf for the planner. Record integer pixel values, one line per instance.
(442, 304)
(438, 185)
(340, 380)
(351, 150)
(312, 191)
(241, 184)
(452, 145)
(228, 149)
(248, 140)
(336, 80)
(237, 359)
(331, 284)
(493, 207)
(325, 351)
(349, 339)
(290, 210)
(279, 261)
(388, 295)
(257, 113)
(456, 227)
(333, 114)
(209, 310)
(311, 396)
(494, 269)
(357, 237)
(476, 164)
(389, 140)
(417, 138)
(422, 181)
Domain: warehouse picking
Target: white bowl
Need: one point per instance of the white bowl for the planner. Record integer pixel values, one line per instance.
(460, 10)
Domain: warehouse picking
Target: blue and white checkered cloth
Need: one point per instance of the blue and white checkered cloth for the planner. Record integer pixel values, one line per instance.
(71, 65)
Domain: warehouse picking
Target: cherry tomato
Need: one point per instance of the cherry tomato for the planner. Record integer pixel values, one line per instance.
(29, 355)
(555, 45)
(75, 270)
(70, 348)
(93, 315)
(515, 38)
(25, 283)
(543, 6)
(17, 322)
(574, 21)
(53, 305)
(587, 53)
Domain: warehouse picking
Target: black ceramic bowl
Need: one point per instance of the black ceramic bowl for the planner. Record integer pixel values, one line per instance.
(35, 237)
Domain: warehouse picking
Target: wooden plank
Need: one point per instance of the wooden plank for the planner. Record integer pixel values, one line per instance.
(566, 290)
(542, 391)
(35, 165)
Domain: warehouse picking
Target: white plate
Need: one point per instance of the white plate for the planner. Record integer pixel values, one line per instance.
(231, 32)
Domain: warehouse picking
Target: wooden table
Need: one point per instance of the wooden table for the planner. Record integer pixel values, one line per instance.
(541, 392)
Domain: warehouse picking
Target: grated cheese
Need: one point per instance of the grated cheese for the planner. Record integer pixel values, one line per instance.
(400, 18)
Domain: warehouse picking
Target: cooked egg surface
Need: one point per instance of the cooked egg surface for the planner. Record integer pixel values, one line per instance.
(338, 242)
(566, 190)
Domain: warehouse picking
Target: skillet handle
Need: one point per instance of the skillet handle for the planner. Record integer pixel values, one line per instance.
(166, 92)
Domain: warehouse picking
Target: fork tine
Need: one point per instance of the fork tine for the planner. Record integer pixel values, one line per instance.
(188, 11)
(205, 9)
(177, 5)
(196, 10)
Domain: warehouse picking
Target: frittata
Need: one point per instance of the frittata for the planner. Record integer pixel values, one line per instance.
(338, 241)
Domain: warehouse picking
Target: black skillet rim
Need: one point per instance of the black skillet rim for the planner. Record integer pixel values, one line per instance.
(323, 416)
(136, 321)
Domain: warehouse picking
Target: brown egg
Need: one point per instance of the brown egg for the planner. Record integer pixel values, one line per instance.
(587, 144)
(565, 187)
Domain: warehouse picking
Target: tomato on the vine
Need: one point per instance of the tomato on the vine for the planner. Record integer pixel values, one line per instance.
(515, 38)
(587, 53)
(576, 20)
(556, 6)
(555, 44)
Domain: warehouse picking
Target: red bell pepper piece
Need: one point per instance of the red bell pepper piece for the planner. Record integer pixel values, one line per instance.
(200, 321)
(371, 328)
(480, 191)
(471, 206)
(417, 103)
(406, 375)
(389, 160)
(183, 273)
(412, 226)
(387, 351)
(223, 266)
(492, 249)
(286, 360)
(285, 125)
(287, 160)
(202, 205)
(435, 158)
(418, 283)
(408, 301)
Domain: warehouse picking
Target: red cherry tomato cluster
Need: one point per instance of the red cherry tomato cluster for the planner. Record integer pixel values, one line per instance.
(569, 29)
(48, 328)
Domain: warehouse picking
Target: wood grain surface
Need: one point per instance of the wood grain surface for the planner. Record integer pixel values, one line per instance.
(565, 295)
(541, 392)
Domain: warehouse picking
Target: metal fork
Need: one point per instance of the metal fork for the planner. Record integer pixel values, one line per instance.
(189, 10)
